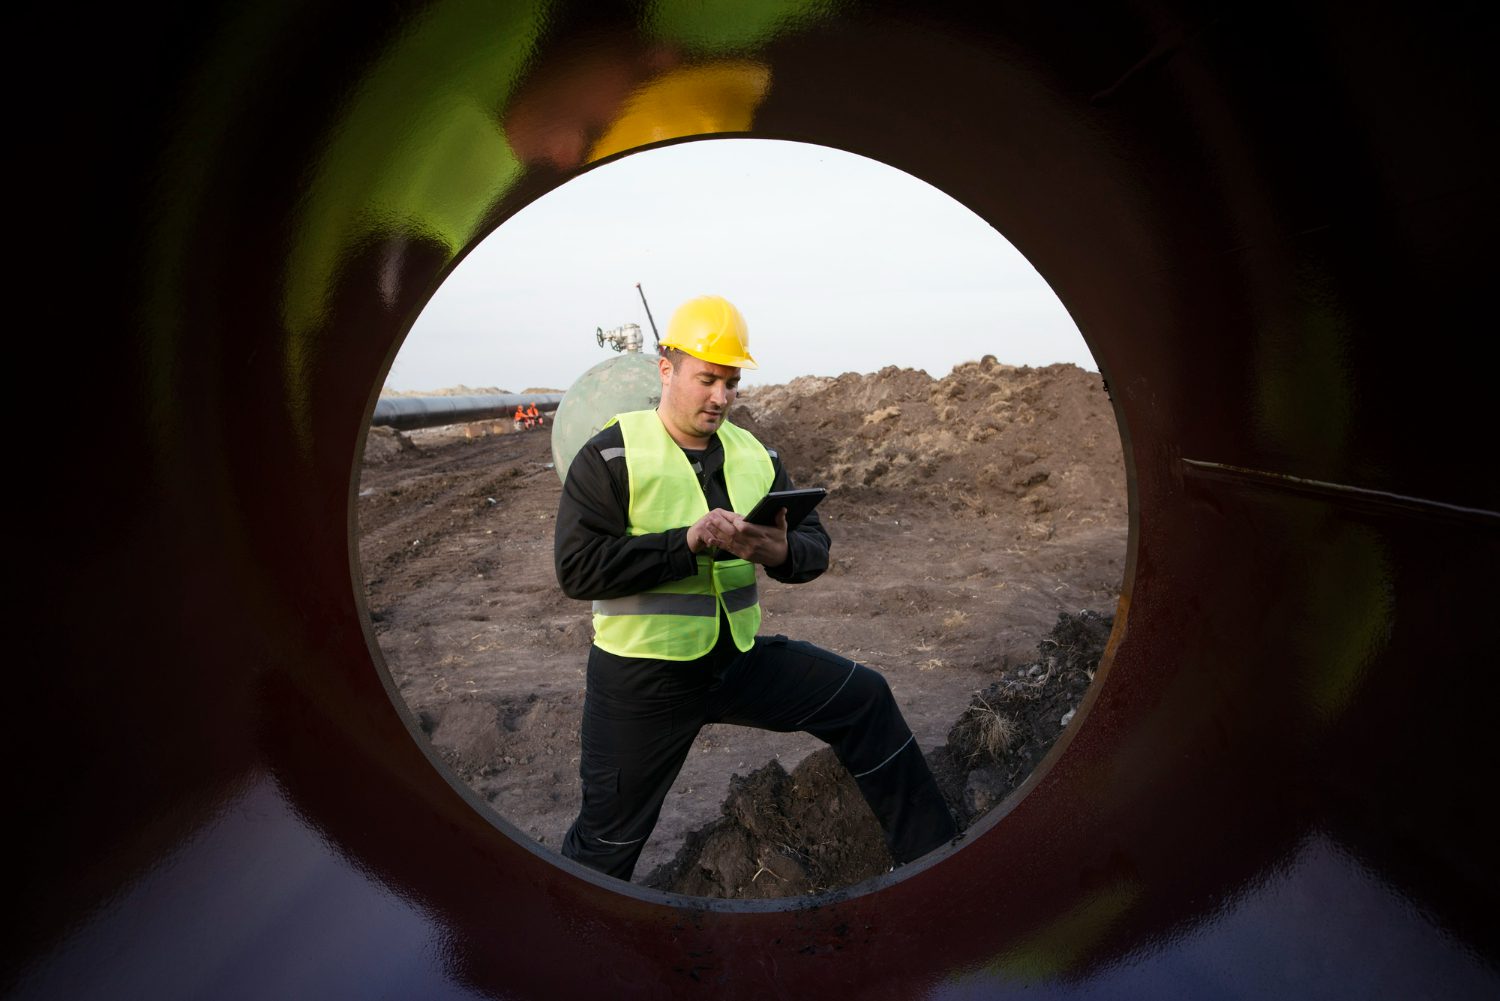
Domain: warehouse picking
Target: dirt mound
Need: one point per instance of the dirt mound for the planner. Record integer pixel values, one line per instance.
(385, 444)
(1035, 446)
(789, 835)
(781, 836)
(1011, 725)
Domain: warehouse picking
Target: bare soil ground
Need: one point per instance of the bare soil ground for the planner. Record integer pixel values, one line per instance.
(967, 514)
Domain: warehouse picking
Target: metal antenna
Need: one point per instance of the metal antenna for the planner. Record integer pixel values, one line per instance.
(649, 317)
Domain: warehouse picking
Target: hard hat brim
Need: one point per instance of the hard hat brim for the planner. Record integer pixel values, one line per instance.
(729, 361)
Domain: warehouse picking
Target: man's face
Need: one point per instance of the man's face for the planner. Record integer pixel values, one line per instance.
(695, 398)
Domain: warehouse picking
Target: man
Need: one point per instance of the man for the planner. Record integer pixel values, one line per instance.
(651, 529)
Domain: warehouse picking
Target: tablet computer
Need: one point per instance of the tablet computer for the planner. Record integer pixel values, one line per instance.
(797, 503)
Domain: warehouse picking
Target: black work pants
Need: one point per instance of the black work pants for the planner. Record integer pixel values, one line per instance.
(640, 718)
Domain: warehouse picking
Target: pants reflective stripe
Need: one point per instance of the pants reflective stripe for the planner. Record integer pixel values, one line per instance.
(887, 760)
(852, 669)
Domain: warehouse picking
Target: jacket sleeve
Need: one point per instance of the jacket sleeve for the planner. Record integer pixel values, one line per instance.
(593, 555)
(806, 545)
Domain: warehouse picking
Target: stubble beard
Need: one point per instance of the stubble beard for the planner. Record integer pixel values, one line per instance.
(712, 424)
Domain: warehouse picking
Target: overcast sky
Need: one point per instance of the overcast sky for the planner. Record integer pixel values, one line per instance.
(839, 264)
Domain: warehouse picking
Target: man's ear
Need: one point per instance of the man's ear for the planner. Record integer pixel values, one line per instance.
(664, 367)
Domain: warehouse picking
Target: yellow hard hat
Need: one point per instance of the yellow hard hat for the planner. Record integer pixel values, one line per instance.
(711, 329)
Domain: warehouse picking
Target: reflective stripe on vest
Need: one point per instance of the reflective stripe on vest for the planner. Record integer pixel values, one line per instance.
(679, 620)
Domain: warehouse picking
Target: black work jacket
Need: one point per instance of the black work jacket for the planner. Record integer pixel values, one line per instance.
(596, 558)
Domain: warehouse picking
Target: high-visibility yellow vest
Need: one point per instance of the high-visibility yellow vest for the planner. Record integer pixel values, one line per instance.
(679, 620)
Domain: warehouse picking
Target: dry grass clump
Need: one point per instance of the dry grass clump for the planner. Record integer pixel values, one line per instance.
(984, 732)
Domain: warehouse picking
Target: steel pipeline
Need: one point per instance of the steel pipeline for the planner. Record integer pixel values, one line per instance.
(405, 413)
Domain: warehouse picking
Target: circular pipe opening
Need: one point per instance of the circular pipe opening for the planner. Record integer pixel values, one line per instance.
(459, 736)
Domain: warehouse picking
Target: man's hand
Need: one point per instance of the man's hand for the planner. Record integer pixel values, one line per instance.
(721, 529)
(709, 531)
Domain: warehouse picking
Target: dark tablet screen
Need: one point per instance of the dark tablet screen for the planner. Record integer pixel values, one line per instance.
(797, 503)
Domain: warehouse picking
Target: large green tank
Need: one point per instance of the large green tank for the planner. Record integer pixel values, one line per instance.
(627, 382)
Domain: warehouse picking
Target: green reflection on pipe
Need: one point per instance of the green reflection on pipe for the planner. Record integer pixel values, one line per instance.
(1342, 613)
(725, 26)
(417, 153)
(1304, 394)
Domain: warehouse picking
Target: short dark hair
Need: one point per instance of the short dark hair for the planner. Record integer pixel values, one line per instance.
(673, 356)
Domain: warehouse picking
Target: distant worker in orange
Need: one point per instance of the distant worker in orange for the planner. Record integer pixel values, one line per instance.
(520, 418)
(535, 415)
